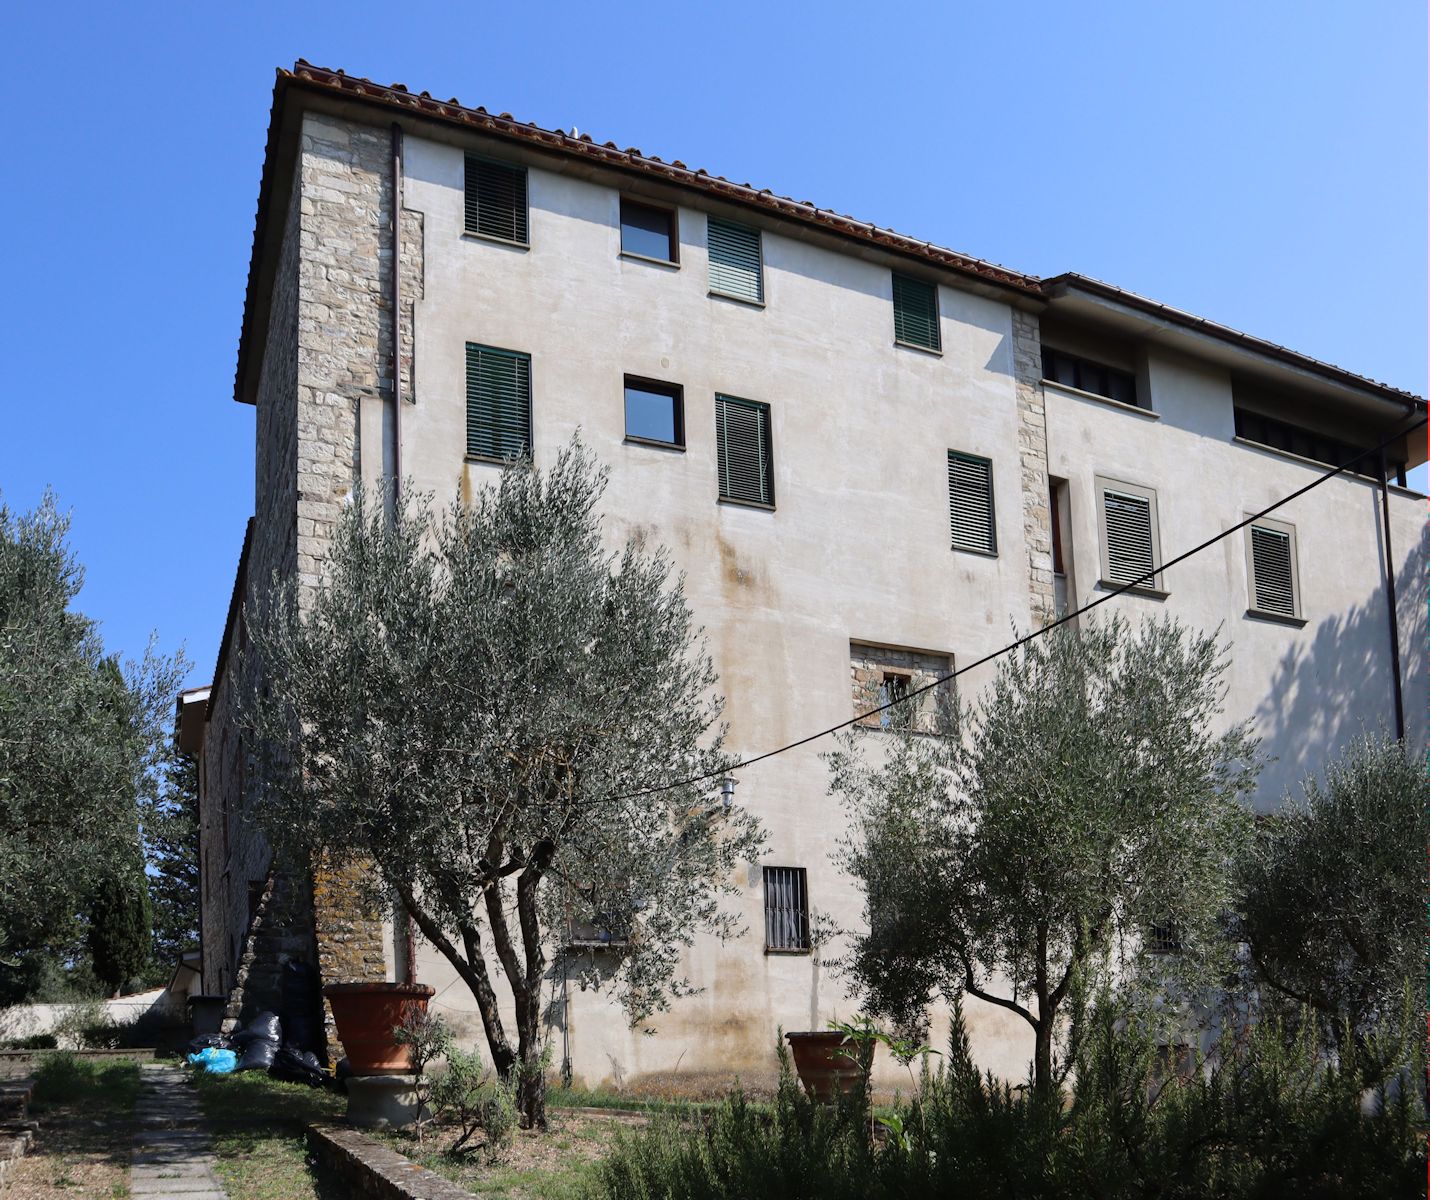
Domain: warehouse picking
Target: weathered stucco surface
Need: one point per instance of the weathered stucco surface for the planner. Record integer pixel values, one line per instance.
(856, 551)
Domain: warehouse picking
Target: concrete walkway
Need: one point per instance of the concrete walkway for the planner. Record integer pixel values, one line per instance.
(173, 1157)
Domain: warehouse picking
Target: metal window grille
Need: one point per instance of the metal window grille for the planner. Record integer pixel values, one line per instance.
(496, 200)
(786, 909)
(970, 503)
(498, 402)
(1163, 937)
(916, 313)
(735, 266)
(1130, 554)
(1272, 571)
(742, 435)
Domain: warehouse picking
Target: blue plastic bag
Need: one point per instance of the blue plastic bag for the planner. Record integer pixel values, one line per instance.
(214, 1060)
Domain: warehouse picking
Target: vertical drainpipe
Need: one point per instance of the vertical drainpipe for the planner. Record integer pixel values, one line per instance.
(409, 949)
(1390, 600)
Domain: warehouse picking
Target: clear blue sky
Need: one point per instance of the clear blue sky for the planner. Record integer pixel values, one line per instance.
(1260, 164)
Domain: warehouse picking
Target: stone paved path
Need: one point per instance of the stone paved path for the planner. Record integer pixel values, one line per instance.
(173, 1157)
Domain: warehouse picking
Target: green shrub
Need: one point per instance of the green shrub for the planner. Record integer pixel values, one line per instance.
(36, 1041)
(469, 1097)
(1267, 1115)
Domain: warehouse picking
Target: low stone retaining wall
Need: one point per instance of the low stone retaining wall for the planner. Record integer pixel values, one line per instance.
(368, 1168)
(16, 1128)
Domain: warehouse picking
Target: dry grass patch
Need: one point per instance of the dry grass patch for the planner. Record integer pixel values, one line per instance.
(86, 1116)
(559, 1164)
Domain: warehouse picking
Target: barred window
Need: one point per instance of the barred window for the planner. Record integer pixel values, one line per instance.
(786, 910)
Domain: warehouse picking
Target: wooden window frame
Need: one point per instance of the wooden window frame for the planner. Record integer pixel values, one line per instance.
(675, 391)
(1296, 616)
(1103, 484)
(673, 231)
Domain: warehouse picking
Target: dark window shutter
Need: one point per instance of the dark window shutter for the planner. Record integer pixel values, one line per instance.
(498, 402)
(1129, 537)
(1272, 571)
(742, 436)
(970, 503)
(786, 909)
(735, 268)
(916, 312)
(496, 199)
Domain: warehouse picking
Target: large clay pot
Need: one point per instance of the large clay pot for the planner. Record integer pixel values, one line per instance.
(366, 1014)
(827, 1064)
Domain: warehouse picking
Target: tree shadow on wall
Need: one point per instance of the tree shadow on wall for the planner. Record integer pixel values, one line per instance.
(1331, 685)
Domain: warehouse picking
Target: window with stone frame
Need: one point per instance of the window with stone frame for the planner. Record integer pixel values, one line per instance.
(881, 674)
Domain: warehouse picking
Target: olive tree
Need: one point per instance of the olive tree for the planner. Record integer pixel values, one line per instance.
(1022, 850)
(1334, 903)
(470, 702)
(81, 739)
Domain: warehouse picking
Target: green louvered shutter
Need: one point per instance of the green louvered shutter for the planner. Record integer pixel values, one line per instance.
(498, 402)
(1130, 554)
(916, 313)
(970, 503)
(1273, 571)
(742, 436)
(496, 199)
(735, 267)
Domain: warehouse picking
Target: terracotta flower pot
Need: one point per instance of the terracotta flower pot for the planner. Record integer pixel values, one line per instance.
(366, 1015)
(827, 1065)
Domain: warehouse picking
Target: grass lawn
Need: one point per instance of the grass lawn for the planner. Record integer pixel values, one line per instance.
(556, 1165)
(86, 1115)
(258, 1127)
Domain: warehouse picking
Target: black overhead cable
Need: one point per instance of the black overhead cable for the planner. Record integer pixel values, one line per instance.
(1026, 638)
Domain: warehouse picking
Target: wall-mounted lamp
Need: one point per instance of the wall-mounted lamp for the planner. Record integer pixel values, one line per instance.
(727, 790)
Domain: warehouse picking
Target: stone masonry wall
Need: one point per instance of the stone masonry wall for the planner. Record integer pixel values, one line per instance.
(344, 358)
(1033, 463)
(868, 666)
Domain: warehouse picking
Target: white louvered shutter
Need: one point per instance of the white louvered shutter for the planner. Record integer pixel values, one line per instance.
(1129, 538)
(1272, 571)
(970, 503)
(735, 267)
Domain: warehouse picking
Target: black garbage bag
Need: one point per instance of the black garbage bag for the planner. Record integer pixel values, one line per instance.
(266, 1026)
(214, 1041)
(258, 1055)
(298, 1066)
(259, 1041)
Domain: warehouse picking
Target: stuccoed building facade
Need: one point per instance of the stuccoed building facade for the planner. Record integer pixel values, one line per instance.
(872, 458)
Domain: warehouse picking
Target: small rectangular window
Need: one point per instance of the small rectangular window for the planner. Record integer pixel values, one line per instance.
(970, 503)
(498, 403)
(1131, 549)
(786, 910)
(655, 412)
(1074, 371)
(1271, 563)
(496, 200)
(736, 268)
(648, 231)
(1163, 937)
(742, 442)
(916, 313)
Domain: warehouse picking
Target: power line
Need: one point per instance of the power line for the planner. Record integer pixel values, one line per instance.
(1028, 637)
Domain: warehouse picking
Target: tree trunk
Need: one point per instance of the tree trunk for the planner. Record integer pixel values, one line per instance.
(1043, 1084)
